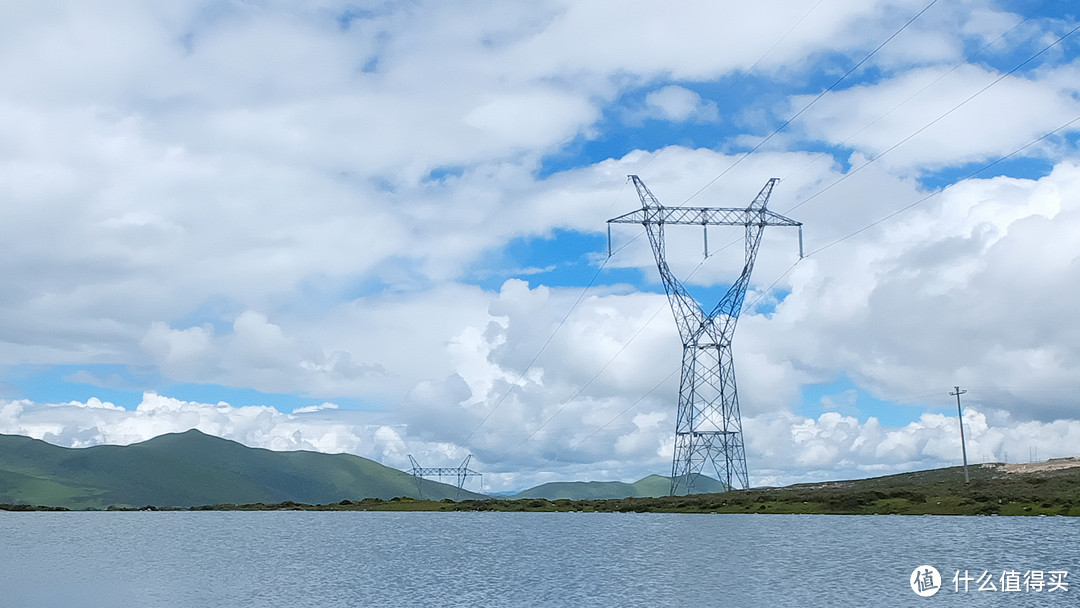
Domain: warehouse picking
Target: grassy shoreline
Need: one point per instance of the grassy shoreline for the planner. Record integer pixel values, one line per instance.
(992, 491)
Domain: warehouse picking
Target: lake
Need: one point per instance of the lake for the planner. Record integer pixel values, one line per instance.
(330, 559)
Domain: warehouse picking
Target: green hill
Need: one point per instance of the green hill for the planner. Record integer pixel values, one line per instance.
(579, 490)
(652, 486)
(189, 469)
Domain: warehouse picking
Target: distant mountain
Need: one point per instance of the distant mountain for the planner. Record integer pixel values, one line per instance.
(191, 469)
(652, 486)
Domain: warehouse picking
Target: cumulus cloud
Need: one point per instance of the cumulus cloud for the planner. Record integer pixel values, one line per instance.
(295, 200)
(785, 448)
(971, 289)
(680, 104)
(781, 447)
(82, 424)
(874, 118)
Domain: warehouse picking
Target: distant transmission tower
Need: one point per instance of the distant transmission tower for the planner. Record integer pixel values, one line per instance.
(708, 428)
(460, 473)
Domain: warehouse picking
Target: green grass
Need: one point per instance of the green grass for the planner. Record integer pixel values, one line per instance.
(652, 486)
(189, 469)
(936, 492)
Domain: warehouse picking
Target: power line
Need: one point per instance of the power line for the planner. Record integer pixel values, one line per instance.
(622, 413)
(936, 120)
(812, 102)
(831, 87)
(777, 43)
(566, 402)
(581, 389)
(509, 390)
(940, 77)
(742, 74)
(626, 409)
(938, 192)
(547, 342)
(765, 292)
(768, 289)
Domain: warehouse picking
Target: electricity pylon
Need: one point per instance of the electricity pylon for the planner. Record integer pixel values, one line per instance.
(461, 473)
(708, 428)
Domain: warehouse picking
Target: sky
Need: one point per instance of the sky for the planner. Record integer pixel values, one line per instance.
(379, 228)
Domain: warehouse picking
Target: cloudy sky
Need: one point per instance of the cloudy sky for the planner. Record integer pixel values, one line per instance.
(379, 227)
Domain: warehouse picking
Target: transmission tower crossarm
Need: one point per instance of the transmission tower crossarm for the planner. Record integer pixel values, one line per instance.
(460, 473)
(705, 216)
(444, 471)
(652, 212)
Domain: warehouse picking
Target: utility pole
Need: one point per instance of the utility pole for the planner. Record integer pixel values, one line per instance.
(960, 415)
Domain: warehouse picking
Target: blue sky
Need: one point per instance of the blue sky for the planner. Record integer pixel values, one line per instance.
(381, 227)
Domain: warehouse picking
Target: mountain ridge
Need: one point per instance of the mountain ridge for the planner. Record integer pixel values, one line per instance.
(193, 469)
(651, 486)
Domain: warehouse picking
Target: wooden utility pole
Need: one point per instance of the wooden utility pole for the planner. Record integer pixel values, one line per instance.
(960, 415)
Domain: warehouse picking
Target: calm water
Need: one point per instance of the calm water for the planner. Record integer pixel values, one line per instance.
(291, 559)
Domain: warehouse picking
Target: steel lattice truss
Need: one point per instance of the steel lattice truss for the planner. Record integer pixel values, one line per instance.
(708, 427)
(460, 473)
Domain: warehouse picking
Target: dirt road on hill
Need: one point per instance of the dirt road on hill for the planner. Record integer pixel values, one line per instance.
(1053, 464)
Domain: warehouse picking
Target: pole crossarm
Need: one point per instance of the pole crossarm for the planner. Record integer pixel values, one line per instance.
(708, 427)
(460, 473)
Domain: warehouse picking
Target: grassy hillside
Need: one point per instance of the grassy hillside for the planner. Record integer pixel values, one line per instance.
(188, 469)
(652, 486)
(579, 490)
(995, 489)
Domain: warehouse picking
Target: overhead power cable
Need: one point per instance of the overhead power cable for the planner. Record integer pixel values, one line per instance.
(626, 409)
(538, 353)
(812, 102)
(767, 290)
(938, 192)
(777, 43)
(581, 389)
(742, 74)
(547, 342)
(936, 120)
(668, 377)
(957, 66)
(566, 402)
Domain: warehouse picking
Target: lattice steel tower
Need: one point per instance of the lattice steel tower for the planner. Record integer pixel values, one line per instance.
(460, 473)
(708, 428)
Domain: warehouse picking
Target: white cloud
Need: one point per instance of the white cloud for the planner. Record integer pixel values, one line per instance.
(310, 409)
(78, 424)
(239, 195)
(680, 104)
(971, 289)
(703, 39)
(781, 447)
(874, 118)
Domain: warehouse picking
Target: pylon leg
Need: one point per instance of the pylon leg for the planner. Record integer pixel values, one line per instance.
(708, 428)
